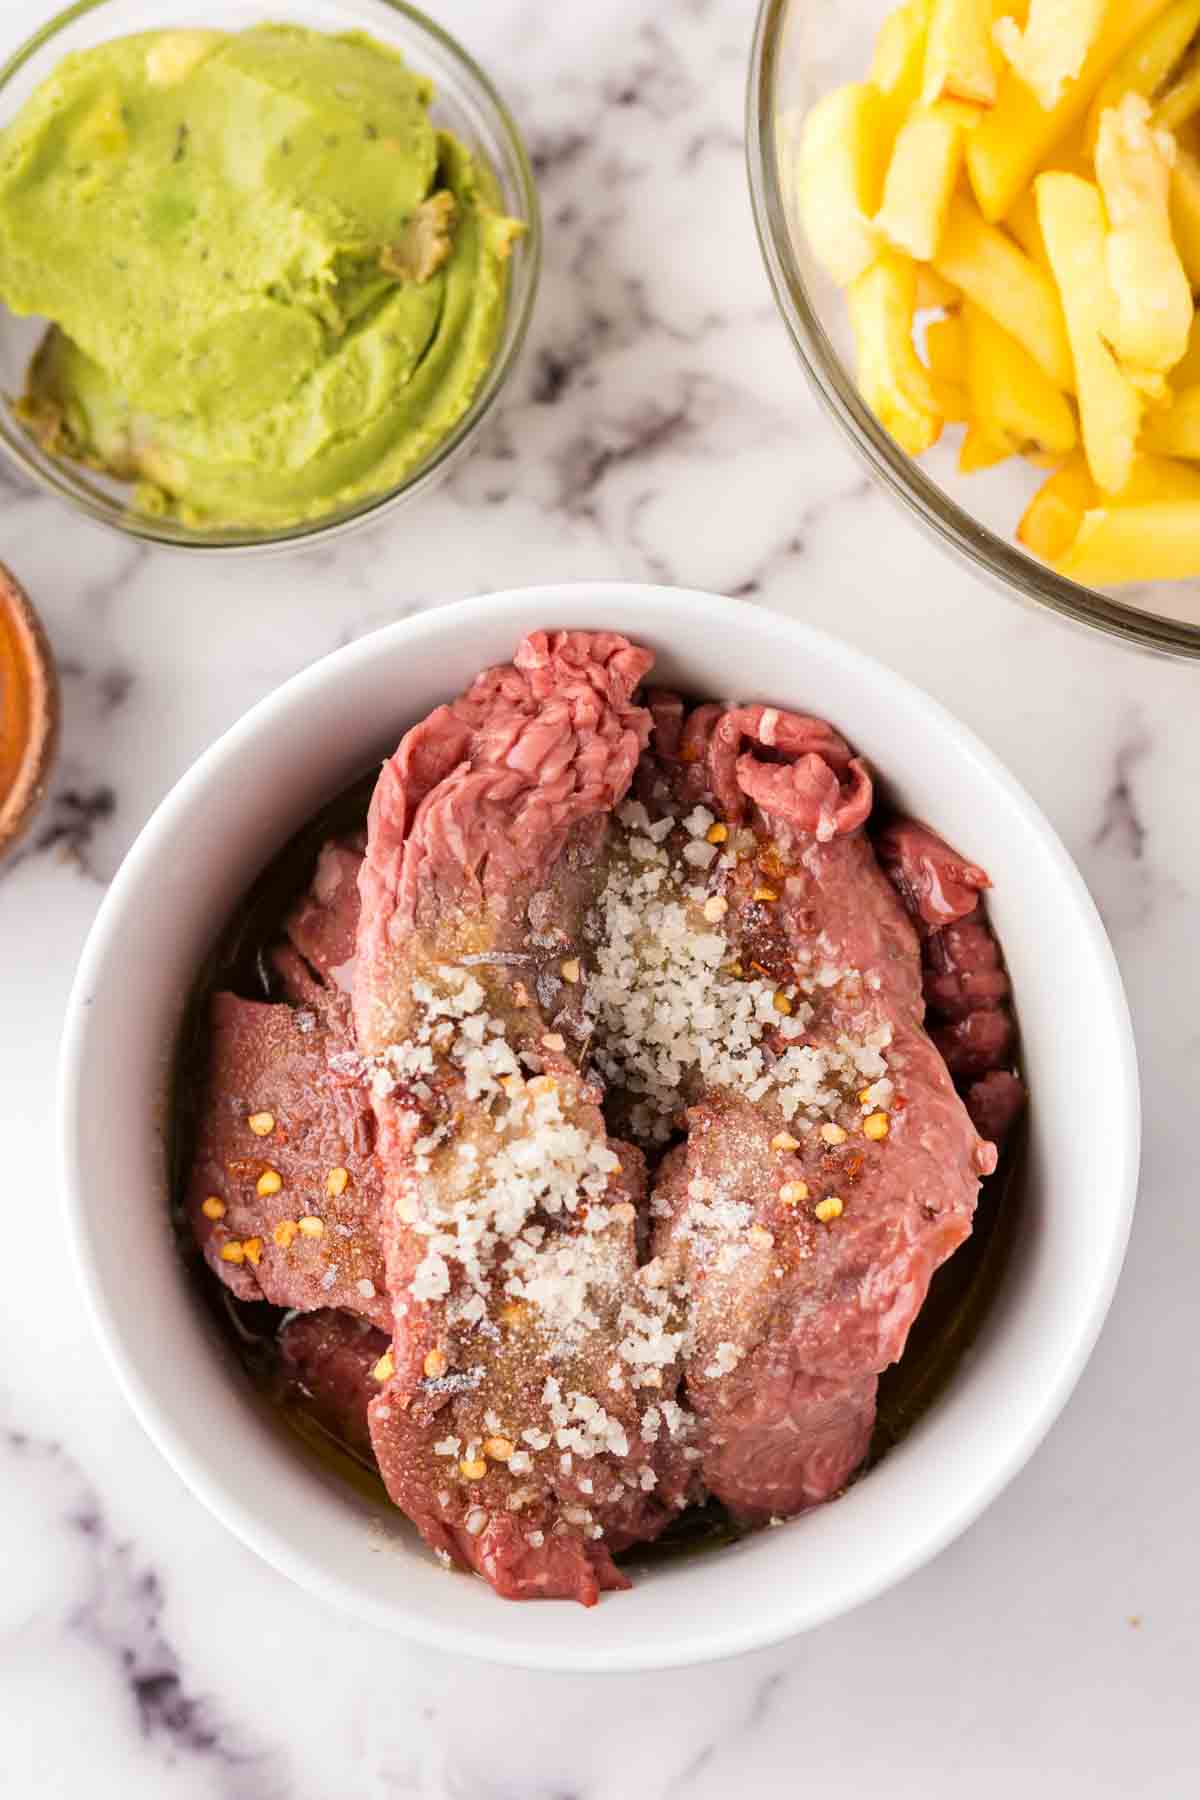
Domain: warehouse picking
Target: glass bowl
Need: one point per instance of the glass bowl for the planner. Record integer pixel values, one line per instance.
(466, 104)
(802, 48)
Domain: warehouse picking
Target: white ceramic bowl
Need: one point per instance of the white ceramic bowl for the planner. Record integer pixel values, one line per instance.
(227, 818)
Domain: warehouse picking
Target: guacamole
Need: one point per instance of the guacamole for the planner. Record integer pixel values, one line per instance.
(274, 285)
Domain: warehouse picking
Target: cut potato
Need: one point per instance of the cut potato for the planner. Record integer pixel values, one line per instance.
(992, 271)
(1176, 432)
(1186, 372)
(920, 180)
(1116, 544)
(898, 66)
(1181, 100)
(1155, 478)
(1017, 135)
(1010, 395)
(1146, 65)
(894, 381)
(1054, 45)
(1152, 293)
(843, 155)
(960, 63)
(1051, 521)
(1055, 514)
(981, 449)
(1071, 214)
(1185, 212)
(946, 351)
(933, 292)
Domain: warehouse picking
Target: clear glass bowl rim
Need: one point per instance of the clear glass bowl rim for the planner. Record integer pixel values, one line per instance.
(61, 478)
(965, 537)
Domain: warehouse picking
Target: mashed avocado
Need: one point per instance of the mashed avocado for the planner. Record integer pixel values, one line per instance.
(274, 285)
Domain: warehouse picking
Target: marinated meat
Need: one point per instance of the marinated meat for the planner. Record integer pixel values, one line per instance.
(512, 1429)
(581, 933)
(829, 1165)
(285, 1190)
(967, 991)
(330, 1359)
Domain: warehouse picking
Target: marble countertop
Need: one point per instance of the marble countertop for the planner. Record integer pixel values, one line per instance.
(659, 429)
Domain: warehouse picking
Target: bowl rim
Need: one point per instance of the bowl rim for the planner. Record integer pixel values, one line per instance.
(164, 1422)
(983, 551)
(52, 475)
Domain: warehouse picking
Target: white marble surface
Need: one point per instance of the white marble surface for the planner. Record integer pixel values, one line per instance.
(659, 429)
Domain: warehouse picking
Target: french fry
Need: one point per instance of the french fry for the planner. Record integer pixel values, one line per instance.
(894, 381)
(990, 269)
(1181, 101)
(1054, 45)
(898, 66)
(1017, 135)
(1117, 544)
(1185, 212)
(1022, 222)
(1176, 432)
(932, 291)
(1051, 521)
(920, 179)
(981, 449)
(1146, 65)
(1009, 395)
(1186, 372)
(945, 348)
(843, 155)
(1153, 295)
(1072, 219)
(960, 63)
(1155, 478)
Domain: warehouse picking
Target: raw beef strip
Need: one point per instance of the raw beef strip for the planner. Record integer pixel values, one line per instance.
(313, 1239)
(754, 962)
(967, 991)
(514, 1430)
(329, 1359)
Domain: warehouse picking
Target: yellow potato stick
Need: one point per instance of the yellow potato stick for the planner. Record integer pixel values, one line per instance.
(1176, 432)
(1156, 478)
(1185, 212)
(981, 449)
(946, 353)
(1152, 292)
(1009, 395)
(960, 62)
(946, 349)
(1022, 222)
(1054, 45)
(1116, 544)
(993, 271)
(898, 65)
(1072, 219)
(1186, 372)
(920, 179)
(932, 291)
(1016, 137)
(1052, 519)
(1181, 101)
(894, 381)
(843, 155)
(1146, 65)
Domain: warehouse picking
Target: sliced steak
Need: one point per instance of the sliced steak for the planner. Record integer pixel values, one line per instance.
(329, 1359)
(967, 991)
(754, 965)
(285, 1190)
(512, 1431)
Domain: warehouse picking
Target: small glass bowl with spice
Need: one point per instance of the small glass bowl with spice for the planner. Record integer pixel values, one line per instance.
(28, 710)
